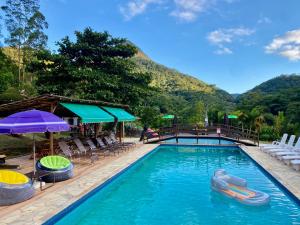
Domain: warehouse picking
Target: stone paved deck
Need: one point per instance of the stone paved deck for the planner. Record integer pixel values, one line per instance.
(51, 201)
(283, 173)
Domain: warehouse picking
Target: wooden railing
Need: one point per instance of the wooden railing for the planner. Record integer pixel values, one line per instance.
(237, 133)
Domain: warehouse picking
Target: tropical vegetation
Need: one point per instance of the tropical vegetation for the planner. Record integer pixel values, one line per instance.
(273, 106)
(96, 65)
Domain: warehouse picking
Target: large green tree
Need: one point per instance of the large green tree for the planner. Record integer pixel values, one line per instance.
(195, 114)
(94, 66)
(25, 25)
(7, 71)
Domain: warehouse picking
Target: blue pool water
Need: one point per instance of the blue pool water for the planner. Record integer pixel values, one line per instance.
(202, 141)
(172, 186)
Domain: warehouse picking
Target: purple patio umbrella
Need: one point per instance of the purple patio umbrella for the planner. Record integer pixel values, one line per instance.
(32, 121)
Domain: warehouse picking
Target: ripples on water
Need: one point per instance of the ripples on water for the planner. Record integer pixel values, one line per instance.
(172, 186)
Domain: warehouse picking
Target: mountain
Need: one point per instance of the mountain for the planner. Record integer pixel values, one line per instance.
(173, 89)
(281, 93)
(235, 95)
(280, 83)
(180, 85)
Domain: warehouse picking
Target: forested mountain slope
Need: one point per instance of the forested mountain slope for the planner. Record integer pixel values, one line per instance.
(179, 85)
(278, 94)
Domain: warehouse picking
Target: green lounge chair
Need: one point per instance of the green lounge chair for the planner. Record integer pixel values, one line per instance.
(54, 168)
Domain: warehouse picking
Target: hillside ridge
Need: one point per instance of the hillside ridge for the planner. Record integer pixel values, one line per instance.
(182, 85)
(279, 94)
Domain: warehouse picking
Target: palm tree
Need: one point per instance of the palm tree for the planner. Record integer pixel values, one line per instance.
(258, 122)
(243, 118)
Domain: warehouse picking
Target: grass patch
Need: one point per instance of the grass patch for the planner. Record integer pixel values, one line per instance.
(22, 145)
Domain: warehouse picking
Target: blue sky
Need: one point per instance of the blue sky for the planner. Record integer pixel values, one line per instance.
(235, 44)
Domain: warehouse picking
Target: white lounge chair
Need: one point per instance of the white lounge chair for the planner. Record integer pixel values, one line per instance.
(288, 158)
(275, 143)
(281, 145)
(296, 164)
(287, 146)
(295, 150)
(279, 155)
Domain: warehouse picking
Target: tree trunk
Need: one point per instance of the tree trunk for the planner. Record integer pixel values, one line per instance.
(19, 63)
(24, 61)
(23, 73)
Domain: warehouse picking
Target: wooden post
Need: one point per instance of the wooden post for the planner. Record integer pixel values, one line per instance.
(176, 132)
(121, 131)
(97, 129)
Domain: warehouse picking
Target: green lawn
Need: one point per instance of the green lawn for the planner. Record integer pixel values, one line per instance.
(16, 146)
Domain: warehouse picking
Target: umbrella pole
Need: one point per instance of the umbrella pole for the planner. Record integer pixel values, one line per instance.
(51, 144)
(34, 159)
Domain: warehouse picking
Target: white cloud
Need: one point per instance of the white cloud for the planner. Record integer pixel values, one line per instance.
(223, 51)
(226, 36)
(136, 7)
(188, 10)
(287, 45)
(264, 20)
(184, 10)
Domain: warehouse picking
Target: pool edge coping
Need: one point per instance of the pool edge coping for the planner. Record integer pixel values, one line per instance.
(55, 218)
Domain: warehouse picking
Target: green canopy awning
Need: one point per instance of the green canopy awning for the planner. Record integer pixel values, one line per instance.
(232, 117)
(89, 113)
(168, 117)
(121, 114)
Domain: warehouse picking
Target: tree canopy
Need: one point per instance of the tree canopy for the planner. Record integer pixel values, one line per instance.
(97, 66)
(275, 105)
(25, 25)
(7, 72)
(94, 66)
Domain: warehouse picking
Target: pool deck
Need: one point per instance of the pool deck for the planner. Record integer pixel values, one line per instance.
(46, 204)
(286, 175)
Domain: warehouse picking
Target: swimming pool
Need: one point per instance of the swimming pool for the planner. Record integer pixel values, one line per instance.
(172, 186)
(201, 141)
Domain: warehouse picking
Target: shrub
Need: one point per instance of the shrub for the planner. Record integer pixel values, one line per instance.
(267, 133)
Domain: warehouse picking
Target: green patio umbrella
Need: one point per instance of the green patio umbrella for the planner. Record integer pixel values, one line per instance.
(232, 117)
(168, 117)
